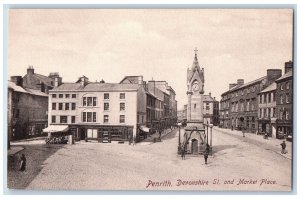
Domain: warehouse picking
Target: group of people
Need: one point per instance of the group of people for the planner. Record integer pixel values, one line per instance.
(205, 154)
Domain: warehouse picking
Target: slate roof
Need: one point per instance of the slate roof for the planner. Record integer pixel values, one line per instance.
(272, 87)
(285, 76)
(16, 88)
(46, 80)
(207, 98)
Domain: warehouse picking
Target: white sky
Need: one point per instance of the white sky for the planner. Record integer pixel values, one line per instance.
(110, 44)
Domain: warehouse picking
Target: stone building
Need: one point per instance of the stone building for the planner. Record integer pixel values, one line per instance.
(284, 101)
(210, 110)
(239, 105)
(267, 111)
(27, 110)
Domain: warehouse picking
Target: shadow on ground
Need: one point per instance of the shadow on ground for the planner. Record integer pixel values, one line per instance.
(219, 148)
(35, 156)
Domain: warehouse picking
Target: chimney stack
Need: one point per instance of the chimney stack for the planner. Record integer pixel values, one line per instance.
(240, 82)
(288, 66)
(30, 70)
(18, 80)
(57, 81)
(140, 80)
(209, 94)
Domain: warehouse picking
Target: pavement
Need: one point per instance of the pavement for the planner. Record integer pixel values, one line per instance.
(156, 135)
(271, 143)
(14, 150)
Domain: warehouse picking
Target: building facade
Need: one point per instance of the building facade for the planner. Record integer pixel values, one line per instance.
(284, 101)
(239, 105)
(27, 109)
(267, 111)
(210, 110)
(99, 111)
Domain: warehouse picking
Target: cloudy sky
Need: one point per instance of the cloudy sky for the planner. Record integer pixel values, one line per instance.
(159, 44)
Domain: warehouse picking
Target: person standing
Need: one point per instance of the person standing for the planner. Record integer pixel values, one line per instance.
(183, 152)
(133, 141)
(283, 146)
(23, 163)
(206, 152)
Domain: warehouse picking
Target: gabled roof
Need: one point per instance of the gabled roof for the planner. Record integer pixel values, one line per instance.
(93, 87)
(285, 76)
(20, 89)
(272, 87)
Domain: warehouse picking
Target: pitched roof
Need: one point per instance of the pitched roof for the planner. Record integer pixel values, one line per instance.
(46, 80)
(36, 92)
(285, 76)
(15, 87)
(97, 87)
(208, 98)
(270, 88)
(131, 79)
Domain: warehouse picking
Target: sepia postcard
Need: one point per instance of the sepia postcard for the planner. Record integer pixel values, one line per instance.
(150, 99)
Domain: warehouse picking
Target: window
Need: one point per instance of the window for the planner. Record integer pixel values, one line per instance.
(122, 118)
(269, 97)
(274, 112)
(122, 95)
(94, 117)
(94, 101)
(106, 106)
(89, 116)
(84, 101)
(207, 107)
(281, 99)
(260, 113)
(60, 96)
(67, 106)
(288, 85)
(105, 119)
(281, 86)
(72, 119)
(265, 98)
(89, 101)
(287, 115)
(53, 95)
(269, 112)
(274, 97)
(242, 92)
(73, 106)
(195, 105)
(84, 117)
(53, 106)
(287, 98)
(53, 119)
(67, 95)
(122, 106)
(63, 119)
(60, 106)
(73, 95)
(280, 115)
(106, 95)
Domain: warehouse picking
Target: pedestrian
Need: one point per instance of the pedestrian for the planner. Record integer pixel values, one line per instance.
(133, 141)
(23, 163)
(266, 135)
(283, 146)
(232, 127)
(206, 152)
(183, 152)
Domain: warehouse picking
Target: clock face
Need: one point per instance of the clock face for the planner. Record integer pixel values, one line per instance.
(195, 86)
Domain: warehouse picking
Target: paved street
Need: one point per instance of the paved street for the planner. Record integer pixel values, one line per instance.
(235, 165)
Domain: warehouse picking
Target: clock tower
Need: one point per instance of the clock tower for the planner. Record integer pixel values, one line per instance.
(195, 90)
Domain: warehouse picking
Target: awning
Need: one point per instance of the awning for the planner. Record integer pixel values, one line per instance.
(145, 129)
(56, 128)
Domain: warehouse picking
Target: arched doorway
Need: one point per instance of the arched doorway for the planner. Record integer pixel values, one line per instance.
(194, 146)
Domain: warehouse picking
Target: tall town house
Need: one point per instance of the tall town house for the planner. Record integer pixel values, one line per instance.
(239, 105)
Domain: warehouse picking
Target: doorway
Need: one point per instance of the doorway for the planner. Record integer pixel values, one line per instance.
(194, 146)
(82, 134)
